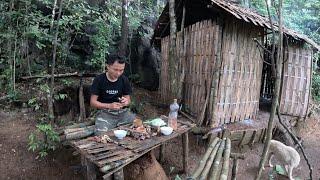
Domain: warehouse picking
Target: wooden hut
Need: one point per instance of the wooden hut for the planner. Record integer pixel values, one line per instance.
(225, 65)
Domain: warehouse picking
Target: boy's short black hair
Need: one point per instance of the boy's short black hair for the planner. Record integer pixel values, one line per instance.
(111, 58)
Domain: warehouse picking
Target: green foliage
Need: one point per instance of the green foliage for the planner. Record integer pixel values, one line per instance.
(34, 104)
(136, 106)
(46, 144)
(60, 96)
(305, 19)
(315, 91)
(26, 34)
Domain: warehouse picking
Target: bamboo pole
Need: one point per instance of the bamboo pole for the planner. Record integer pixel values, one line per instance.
(226, 156)
(215, 168)
(79, 134)
(209, 163)
(68, 131)
(204, 159)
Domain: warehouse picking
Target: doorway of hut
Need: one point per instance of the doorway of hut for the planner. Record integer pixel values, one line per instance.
(267, 84)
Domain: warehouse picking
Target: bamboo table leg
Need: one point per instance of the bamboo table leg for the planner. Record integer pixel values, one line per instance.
(91, 173)
(185, 142)
(118, 175)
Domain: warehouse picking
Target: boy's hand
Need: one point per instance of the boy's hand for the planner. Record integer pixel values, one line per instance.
(124, 101)
(115, 105)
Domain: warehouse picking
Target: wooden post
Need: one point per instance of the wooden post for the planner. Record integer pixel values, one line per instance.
(161, 152)
(252, 138)
(82, 114)
(235, 157)
(185, 141)
(242, 138)
(234, 169)
(91, 173)
(118, 175)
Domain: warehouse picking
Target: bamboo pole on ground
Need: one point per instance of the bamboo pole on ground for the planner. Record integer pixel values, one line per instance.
(226, 156)
(215, 168)
(209, 163)
(204, 159)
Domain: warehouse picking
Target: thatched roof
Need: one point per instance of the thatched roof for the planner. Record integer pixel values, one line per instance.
(203, 9)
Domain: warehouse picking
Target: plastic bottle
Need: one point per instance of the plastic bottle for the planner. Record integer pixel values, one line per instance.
(173, 115)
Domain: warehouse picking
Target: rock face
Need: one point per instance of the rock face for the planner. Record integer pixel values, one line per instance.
(145, 59)
(145, 168)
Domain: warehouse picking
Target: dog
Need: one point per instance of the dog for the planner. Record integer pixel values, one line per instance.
(287, 156)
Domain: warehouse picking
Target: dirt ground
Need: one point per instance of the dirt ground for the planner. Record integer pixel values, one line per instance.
(19, 163)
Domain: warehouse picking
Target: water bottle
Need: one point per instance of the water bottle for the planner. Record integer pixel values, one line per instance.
(173, 115)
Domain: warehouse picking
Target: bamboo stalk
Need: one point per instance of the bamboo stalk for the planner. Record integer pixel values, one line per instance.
(215, 168)
(226, 156)
(79, 134)
(204, 159)
(68, 131)
(207, 168)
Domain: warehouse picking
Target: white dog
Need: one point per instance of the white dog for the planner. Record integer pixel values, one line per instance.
(287, 155)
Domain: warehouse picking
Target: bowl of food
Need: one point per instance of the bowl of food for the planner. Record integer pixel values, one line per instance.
(120, 134)
(166, 130)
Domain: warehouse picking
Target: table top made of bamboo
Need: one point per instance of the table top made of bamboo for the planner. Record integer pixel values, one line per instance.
(111, 156)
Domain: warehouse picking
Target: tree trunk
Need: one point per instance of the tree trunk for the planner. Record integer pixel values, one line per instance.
(124, 29)
(54, 54)
(173, 62)
(54, 6)
(183, 61)
(14, 63)
(82, 114)
(276, 93)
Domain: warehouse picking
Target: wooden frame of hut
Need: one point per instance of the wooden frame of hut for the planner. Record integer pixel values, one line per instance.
(225, 65)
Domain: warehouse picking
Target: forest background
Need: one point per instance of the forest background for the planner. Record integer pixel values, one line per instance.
(45, 37)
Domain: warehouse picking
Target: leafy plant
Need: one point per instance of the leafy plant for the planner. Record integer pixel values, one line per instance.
(60, 96)
(46, 144)
(136, 106)
(34, 104)
(315, 91)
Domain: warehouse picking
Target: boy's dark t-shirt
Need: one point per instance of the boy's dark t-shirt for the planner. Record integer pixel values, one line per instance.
(109, 92)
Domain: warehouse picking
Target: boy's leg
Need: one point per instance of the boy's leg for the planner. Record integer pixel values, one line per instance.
(104, 122)
(126, 117)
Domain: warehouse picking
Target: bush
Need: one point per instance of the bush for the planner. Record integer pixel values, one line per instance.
(45, 144)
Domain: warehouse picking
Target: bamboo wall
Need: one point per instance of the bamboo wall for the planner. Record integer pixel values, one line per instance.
(239, 67)
(296, 81)
(240, 79)
(197, 52)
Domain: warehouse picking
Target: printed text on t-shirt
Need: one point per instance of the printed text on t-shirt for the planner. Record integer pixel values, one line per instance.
(111, 91)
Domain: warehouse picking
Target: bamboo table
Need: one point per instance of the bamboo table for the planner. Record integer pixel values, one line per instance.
(111, 157)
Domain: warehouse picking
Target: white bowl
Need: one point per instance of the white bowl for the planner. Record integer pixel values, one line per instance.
(166, 130)
(120, 134)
